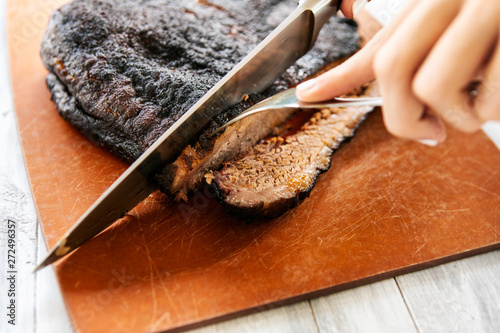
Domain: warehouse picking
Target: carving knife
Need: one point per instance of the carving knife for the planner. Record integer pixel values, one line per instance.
(257, 71)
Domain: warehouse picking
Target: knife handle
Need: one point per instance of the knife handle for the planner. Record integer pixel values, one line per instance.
(322, 11)
(314, 3)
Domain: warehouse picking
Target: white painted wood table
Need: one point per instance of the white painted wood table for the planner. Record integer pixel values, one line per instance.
(461, 296)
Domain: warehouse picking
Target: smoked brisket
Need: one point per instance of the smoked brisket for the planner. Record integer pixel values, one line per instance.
(280, 172)
(123, 71)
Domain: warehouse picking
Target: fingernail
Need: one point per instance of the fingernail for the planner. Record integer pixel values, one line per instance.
(429, 142)
(306, 85)
(358, 6)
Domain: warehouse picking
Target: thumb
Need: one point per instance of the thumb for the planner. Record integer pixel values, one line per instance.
(351, 8)
(347, 7)
(347, 76)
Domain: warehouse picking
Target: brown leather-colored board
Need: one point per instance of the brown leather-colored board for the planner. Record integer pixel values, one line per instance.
(386, 206)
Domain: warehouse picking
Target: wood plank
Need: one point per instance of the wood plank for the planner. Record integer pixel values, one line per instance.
(377, 307)
(16, 204)
(462, 296)
(291, 318)
(51, 314)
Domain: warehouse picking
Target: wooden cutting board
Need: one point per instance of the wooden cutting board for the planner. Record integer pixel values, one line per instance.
(385, 207)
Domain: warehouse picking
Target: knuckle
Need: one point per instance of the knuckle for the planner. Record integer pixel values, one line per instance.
(385, 64)
(395, 127)
(423, 88)
(429, 89)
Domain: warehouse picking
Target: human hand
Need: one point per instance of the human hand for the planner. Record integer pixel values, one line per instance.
(438, 61)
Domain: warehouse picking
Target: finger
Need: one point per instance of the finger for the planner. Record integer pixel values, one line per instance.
(442, 80)
(352, 73)
(347, 7)
(396, 63)
(355, 71)
(487, 103)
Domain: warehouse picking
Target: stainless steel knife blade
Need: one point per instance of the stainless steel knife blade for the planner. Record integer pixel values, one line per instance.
(257, 71)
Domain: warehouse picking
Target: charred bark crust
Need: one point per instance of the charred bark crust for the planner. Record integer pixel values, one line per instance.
(261, 210)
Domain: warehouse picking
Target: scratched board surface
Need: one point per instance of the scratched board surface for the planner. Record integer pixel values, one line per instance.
(385, 207)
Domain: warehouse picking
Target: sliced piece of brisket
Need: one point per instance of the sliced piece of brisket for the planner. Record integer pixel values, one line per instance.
(123, 71)
(278, 173)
